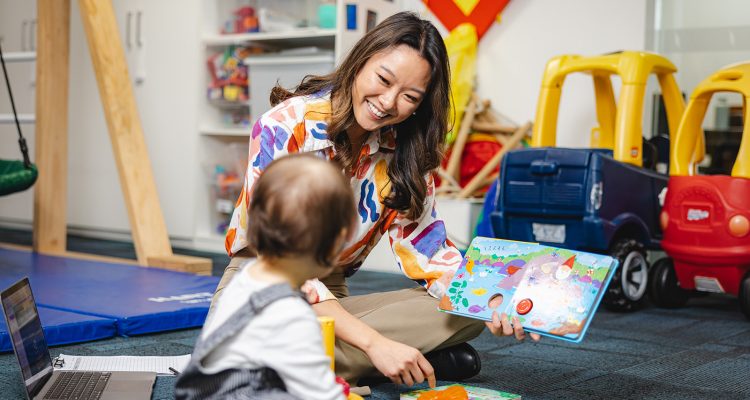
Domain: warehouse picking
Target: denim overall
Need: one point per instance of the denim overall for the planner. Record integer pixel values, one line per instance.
(235, 383)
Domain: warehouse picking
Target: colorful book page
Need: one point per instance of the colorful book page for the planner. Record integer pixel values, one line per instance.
(552, 291)
(475, 393)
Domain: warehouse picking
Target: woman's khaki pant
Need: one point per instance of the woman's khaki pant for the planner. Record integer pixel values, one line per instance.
(408, 316)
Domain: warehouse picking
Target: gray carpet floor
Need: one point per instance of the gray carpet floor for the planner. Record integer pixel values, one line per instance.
(697, 352)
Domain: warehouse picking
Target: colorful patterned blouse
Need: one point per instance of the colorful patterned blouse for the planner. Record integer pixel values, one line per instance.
(420, 245)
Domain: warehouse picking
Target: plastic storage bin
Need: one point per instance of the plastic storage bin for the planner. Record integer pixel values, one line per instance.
(287, 70)
(225, 180)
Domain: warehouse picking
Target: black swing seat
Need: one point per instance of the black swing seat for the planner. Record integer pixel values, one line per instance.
(15, 176)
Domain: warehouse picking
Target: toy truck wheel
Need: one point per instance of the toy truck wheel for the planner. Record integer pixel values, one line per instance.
(664, 289)
(745, 295)
(629, 283)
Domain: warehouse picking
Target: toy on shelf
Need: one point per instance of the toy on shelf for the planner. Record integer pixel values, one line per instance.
(227, 187)
(227, 178)
(228, 74)
(706, 218)
(327, 14)
(245, 20)
(238, 118)
(228, 88)
(603, 199)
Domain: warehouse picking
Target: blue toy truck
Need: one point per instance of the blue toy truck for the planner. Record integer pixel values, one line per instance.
(600, 199)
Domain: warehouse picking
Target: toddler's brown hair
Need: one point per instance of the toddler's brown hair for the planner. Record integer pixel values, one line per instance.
(300, 205)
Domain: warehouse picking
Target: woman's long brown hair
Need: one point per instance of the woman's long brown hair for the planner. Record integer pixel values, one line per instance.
(421, 137)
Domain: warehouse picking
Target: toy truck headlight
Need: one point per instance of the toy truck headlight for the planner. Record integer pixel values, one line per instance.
(596, 195)
(738, 226)
(663, 220)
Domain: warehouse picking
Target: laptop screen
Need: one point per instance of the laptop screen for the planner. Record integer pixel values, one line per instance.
(25, 329)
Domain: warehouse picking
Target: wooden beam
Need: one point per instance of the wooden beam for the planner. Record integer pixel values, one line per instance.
(193, 265)
(454, 162)
(196, 265)
(96, 257)
(489, 127)
(136, 178)
(51, 154)
(478, 180)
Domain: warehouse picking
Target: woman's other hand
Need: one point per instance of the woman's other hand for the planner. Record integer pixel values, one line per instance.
(310, 292)
(402, 364)
(500, 326)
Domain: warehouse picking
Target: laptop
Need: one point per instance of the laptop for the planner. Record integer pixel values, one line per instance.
(41, 381)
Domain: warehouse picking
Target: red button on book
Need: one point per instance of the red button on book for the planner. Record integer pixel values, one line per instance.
(524, 306)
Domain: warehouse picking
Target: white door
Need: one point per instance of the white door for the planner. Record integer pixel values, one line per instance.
(167, 80)
(17, 33)
(161, 47)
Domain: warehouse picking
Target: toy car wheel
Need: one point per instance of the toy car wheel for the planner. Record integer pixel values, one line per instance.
(629, 283)
(664, 289)
(745, 295)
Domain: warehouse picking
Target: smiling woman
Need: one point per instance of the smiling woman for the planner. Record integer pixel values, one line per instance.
(380, 97)
(382, 117)
(396, 76)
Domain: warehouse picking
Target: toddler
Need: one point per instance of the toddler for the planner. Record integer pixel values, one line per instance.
(263, 339)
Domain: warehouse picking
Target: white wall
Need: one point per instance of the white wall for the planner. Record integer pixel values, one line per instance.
(701, 37)
(513, 53)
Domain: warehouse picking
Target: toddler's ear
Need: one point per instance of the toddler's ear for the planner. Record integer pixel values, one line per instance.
(340, 243)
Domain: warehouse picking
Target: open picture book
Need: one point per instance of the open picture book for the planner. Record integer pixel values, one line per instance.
(554, 292)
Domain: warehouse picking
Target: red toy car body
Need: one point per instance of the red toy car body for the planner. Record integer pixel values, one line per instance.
(697, 236)
(706, 219)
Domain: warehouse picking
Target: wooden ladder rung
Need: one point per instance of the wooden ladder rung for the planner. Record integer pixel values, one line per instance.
(19, 56)
(22, 118)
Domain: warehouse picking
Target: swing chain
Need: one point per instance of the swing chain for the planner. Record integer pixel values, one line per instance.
(25, 152)
(21, 139)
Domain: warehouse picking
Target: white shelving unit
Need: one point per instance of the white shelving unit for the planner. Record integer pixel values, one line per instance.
(225, 132)
(304, 36)
(222, 143)
(219, 142)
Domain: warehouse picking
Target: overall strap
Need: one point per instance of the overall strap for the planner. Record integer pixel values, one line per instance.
(257, 302)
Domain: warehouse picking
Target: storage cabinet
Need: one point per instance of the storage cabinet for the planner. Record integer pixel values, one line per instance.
(166, 95)
(18, 25)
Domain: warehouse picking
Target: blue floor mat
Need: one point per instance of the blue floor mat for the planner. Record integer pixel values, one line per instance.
(63, 327)
(141, 300)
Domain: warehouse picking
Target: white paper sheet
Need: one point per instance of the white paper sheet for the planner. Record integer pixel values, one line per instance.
(160, 365)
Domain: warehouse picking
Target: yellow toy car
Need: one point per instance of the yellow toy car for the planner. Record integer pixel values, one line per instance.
(600, 199)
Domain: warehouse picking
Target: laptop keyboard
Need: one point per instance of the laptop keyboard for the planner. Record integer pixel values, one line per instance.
(78, 385)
